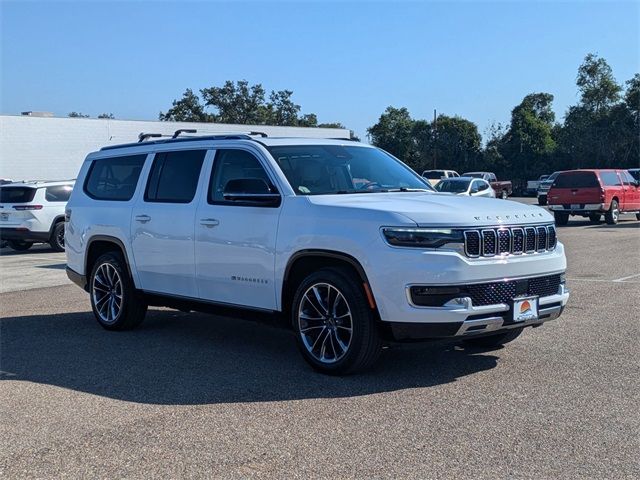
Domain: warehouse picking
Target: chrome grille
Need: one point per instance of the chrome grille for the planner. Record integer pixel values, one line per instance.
(489, 242)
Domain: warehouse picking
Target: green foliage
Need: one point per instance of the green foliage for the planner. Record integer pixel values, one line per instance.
(109, 116)
(187, 109)
(77, 115)
(242, 104)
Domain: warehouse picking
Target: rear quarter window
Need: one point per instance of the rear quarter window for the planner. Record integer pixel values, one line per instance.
(114, 178)
(576, 180)
(610, 179)
(17, 194)
(59, 193)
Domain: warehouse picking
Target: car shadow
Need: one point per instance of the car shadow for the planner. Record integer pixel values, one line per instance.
(179, 358)
(621, 224)
(55, 266)
(8, 252)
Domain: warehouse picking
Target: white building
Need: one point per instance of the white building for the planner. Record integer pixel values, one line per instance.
(44, 148)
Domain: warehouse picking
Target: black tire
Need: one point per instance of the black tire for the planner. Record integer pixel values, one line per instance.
(132, 309)
(595, 218)
(494, 341)
(612, 215)
(363, 343)
(19, 245)
(57, 237)
(504, 195)
(542, 201)
(561, 218)
(637, 216)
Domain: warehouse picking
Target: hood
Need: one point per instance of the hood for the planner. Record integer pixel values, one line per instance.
(433, 209)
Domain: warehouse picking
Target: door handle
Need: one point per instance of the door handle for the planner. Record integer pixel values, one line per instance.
(209, 222)
(143, 218)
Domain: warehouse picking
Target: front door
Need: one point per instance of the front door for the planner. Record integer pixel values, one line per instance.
(235, 240)
(162, 223)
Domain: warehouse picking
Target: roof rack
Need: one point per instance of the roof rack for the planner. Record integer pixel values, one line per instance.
(175, 138)
(177, 133)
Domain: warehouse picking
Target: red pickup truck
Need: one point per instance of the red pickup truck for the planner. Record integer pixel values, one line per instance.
(593, 193)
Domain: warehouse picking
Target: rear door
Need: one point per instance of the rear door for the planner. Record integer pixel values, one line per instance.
(631, 191)
(575, 189)
(612, 184)
(162, 223)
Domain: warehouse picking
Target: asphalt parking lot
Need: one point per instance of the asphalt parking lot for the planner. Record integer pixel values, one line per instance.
(190, 395)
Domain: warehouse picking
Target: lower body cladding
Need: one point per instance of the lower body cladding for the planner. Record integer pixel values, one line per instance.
(24, 235)
(483, 309)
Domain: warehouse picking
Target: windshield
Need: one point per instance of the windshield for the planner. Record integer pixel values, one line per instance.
(452, 186)
(331, 169)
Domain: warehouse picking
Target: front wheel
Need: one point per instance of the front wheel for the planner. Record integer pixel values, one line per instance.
(57, 237)
(115, 302)
(561, 218)
(504, 195)
(494, 341)
(542, 201)
(19, 246)
(612, 215)
(335, 328)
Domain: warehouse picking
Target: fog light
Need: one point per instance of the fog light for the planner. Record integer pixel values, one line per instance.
(459, 302)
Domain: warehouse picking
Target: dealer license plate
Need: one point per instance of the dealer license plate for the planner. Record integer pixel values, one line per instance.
(525, 309)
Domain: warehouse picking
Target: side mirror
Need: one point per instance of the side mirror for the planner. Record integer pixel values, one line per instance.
(251, 191)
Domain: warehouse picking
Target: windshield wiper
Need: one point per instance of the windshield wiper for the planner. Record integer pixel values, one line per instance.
(405, 189)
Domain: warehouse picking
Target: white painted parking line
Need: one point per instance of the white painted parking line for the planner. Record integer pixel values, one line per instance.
(623, 279)
(603, 280)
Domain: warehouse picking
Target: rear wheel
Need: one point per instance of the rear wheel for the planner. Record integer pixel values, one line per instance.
(561, 218)
(595, 218)
(19, 245)
(612, 215)
(335, 328)
(57, 237)
(115, 302)
(504, 195)
(494, 341)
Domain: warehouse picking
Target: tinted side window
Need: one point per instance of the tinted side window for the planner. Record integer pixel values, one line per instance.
(59, 193)
(627, 179)
(114, 178)
(610, 179)
(577, 180)
(234, 165)
(174, 176)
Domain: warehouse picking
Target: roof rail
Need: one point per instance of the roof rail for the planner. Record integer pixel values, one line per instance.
(177, 133)
(143, 136)
(261, 134)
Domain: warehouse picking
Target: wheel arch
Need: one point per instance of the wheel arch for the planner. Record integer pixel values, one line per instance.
(101, 244)
(303, 262)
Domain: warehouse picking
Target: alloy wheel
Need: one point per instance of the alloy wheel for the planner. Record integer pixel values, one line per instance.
(107, 293)
(325, 323)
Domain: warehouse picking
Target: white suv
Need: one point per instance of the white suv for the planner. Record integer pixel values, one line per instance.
(33, 212)
(340, 239)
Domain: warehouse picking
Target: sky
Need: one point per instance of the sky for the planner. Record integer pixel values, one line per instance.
(344, 61)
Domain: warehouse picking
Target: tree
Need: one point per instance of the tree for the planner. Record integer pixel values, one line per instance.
(281, 109)
(187, 109)
(237, 103)
(599, 89)
(529, 142)
(107, 116)
(394, 133)
(77, 115)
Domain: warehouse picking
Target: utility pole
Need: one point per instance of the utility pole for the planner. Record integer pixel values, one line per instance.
(435, 140)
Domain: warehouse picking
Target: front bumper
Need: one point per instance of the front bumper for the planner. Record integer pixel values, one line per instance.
(466, 320)
(24, 235)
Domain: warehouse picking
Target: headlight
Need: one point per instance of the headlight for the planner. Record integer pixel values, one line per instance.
(422, 237)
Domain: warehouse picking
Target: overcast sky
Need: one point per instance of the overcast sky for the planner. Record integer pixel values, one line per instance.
(345, 62)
